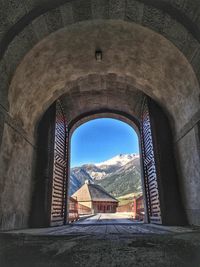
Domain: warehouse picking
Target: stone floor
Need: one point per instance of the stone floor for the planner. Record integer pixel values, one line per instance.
(101, 244)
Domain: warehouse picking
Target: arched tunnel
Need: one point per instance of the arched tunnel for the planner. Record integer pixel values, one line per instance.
(147, 76)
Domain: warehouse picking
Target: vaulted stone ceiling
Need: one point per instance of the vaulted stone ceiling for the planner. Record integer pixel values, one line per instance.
(132, 54)
(47, 49)
(25, 23)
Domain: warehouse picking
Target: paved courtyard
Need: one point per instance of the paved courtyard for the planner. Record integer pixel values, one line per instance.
(108, 218)
(103, 240)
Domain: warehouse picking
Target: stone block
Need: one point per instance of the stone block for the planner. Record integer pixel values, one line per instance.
(40, 27)
(153, 18)
(100, 9)
(13, 10)
(117, 9)
(191, 47)
(191, 9)
(15, 179)
(4, 19)
(175, 32)
(193, 216)
(2, 119)
(134, 11)
(18, 48)
(179, 4)
(67, 14)
(4, 85)
(82, 10)
(53, 20)
(31, 4)
(189, 171)
(196, 63)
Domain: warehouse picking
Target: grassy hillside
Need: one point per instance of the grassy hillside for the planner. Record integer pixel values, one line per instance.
(128, 198)
(123, 183)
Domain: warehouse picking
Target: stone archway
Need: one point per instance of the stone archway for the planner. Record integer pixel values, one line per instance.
(160, 179)
(131, 59)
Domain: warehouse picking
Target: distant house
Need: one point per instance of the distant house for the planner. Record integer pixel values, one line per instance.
(135, 206)
(96, 198)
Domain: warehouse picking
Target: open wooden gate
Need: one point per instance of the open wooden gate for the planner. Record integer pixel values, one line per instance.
(59, 185)
(149, 164)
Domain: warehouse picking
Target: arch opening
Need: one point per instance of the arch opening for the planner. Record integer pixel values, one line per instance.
(160, 205)
(114, 87)
(105, 175)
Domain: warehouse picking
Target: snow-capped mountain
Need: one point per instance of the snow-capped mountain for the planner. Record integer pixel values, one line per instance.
(119, 175)
(120, 160)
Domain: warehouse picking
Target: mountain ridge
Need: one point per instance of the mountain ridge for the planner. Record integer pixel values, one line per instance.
(119, 175)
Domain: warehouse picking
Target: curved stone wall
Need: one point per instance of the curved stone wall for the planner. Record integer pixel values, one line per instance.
(47, 50)
(141, 57)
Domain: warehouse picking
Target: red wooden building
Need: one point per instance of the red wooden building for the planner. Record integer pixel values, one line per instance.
(135, 206)
(96, 198)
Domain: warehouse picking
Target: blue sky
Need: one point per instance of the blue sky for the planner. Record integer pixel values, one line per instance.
(101, 139)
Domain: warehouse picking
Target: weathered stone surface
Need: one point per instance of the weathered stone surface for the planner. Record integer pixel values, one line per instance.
(191, 47)
(178, 3)
(195, 62)
(31, 4)
(15, 182)
(134, 57)
(40, 27)
(112, 96)
(93, 251)
(128, 50)
(175, 32)
(4, 19)
(12, 10)
(117, 9)
(4, 85)
(100, 9)
(192, 9)
(67, 14)
(189, 167)
(53, 20)
(134, 11)
(18, 48)
(153, 18)
(1, 126)
(82, 10)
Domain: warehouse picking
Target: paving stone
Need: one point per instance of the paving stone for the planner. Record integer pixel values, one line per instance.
(141, 250)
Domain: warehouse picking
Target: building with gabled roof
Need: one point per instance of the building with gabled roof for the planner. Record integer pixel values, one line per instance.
(96, 198)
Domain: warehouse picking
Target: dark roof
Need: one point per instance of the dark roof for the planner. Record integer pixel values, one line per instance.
(97, 193)
(93, 192)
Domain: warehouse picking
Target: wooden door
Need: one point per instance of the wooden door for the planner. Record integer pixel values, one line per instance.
(59, 184)
(149, 164)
